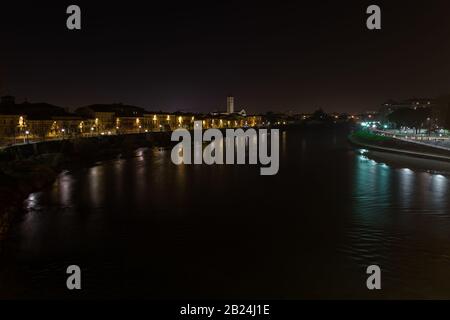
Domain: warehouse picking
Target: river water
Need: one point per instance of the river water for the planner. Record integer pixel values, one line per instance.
(141, 227)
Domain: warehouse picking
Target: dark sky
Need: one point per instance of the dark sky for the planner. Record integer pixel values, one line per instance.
(189, 55)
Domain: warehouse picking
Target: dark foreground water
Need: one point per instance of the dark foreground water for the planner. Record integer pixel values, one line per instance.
(143, 227)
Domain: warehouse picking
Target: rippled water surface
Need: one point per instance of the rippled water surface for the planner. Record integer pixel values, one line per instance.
(142, 227)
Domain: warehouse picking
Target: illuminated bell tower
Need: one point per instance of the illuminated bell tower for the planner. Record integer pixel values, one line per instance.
(230, 104)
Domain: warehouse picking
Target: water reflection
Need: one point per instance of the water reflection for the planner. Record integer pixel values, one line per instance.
(438, 192)
(372, 188)
(378, 185)
(119, 167)
(283, 144)
(406, 186)
(94, 181)
(162, 229)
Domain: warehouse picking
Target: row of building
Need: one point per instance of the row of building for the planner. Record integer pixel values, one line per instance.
(41, 121)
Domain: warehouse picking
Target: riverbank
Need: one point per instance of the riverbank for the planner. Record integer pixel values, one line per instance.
(28, 168)
(368, 140)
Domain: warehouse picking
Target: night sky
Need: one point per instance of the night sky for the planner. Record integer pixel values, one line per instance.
(189, 55)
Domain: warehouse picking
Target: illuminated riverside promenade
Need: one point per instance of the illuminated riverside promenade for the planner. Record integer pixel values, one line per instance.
(160, 123)
(34, 122)
(437, 149)
(438, 140)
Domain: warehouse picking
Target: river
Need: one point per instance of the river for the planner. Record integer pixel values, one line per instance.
(141, 227)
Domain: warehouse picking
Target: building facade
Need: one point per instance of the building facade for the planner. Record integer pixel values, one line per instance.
(39, 121)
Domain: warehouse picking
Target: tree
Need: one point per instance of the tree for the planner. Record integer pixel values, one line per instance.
(410, 117)
(320, 115)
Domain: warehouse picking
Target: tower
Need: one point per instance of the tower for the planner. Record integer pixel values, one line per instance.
(230, 104)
